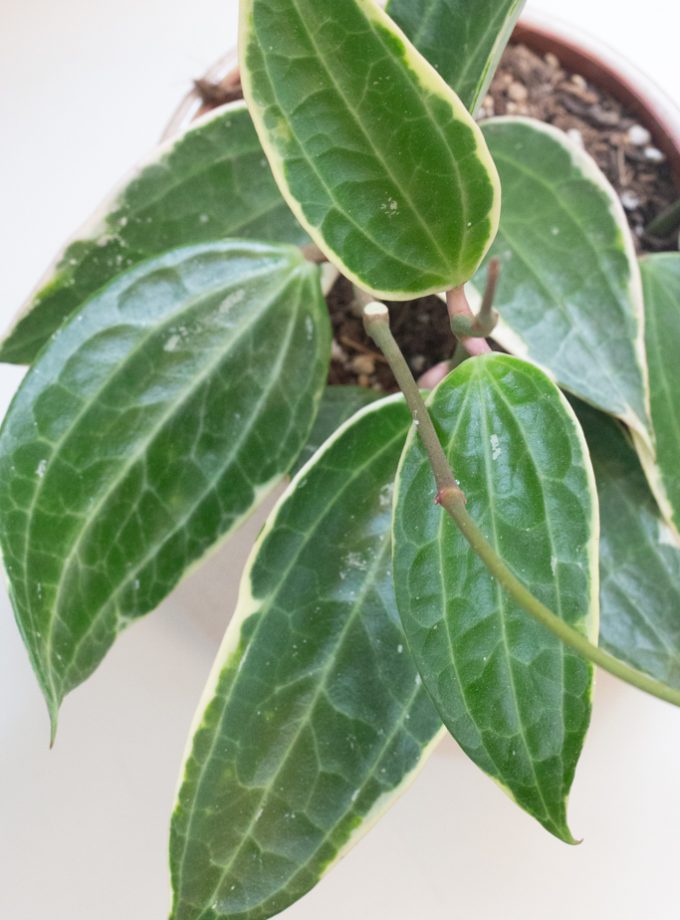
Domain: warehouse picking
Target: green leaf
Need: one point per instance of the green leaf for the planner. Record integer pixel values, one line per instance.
(569, 294)
(210, 183)
(462, 39)
(639, 559)
(515, 698)
(374, 152)
(314, 718)
(661, 280)
(338, 404)
(153, 422)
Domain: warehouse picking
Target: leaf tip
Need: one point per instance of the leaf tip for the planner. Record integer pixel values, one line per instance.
(54, 720)
(563, 833)
(53, 704)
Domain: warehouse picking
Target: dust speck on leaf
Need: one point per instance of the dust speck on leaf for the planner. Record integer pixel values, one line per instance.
(390, 207)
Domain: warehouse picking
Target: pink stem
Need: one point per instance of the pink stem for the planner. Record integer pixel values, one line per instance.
(458, 305)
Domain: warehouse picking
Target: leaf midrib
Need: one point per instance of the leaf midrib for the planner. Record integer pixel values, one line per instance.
(401, 188)
(314, 700)
(243, 433)
(385, 447)
(501, 600)
(118, 371)
(327, 188)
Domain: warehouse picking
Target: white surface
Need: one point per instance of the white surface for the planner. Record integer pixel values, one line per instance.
(86, 89)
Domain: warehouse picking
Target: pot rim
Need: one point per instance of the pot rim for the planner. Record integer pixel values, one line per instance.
(578, 50)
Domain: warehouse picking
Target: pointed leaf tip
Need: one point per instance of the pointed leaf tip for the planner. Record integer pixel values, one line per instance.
(53, 711)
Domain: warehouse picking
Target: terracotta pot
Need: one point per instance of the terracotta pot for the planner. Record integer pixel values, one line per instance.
(578, 51)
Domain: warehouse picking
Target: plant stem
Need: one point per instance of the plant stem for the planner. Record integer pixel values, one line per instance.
(312, 253)
(377, 324)
(469, 329)
(487, 317)
(451, 498)
(462, 323)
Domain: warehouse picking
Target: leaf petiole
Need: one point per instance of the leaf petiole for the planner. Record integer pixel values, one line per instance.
(452, 499)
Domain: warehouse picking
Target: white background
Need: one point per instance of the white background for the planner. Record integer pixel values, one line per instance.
(85, 89)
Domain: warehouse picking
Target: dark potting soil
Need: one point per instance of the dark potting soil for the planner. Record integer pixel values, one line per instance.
(537, 86)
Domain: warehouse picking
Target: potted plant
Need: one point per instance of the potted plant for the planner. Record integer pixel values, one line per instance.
(178, 356)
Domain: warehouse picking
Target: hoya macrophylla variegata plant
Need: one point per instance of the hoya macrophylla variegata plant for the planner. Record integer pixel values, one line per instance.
(458, 560)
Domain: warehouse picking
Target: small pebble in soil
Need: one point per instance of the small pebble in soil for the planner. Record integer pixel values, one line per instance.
(337, 353)
(638, 136)
(654, 155)
(488, 108)
(363, 364)
(517, 92)
(630, 201)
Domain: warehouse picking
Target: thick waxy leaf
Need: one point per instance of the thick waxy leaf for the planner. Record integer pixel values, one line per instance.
(514, 697)
(211, 183)
(569, 295)
(639, 559)
(338, 403)
(374, 152)
(661, 280)
(315, 716)
(151, 424)
(462, 39)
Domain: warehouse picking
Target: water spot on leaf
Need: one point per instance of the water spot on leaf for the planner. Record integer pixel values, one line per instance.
(231, 300)
(172, 342)
(385, 495)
